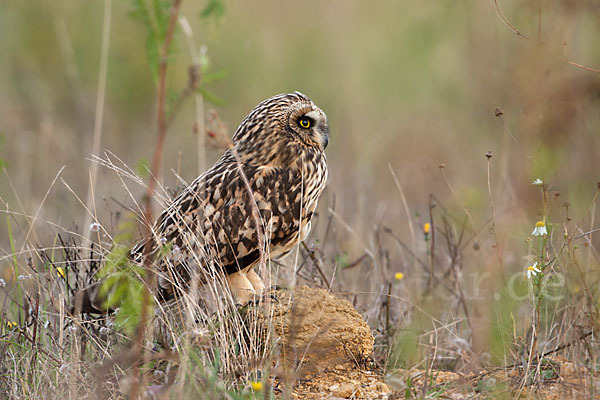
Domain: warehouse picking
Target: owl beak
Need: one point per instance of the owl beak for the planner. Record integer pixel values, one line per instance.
(324, 131)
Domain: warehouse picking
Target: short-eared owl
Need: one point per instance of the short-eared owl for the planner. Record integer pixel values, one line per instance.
(212, 223)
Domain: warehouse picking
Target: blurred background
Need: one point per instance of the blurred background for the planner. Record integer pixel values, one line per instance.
(406, 85)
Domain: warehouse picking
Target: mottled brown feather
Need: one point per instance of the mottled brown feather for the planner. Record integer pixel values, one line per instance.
(211, 222)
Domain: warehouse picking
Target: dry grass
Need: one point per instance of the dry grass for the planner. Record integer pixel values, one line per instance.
(203, 344)
(58, 352)
(463, 302)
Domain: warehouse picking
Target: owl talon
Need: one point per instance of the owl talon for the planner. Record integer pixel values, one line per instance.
(262, 299)
(273, 297)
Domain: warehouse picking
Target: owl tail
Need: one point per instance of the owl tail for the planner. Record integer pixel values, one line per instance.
(100, 295)
(90, 300)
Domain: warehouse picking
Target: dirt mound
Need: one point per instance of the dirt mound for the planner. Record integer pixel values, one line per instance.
(325, 345)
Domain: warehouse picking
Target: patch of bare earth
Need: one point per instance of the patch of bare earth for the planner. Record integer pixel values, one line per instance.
(562, 379)
(325, 348)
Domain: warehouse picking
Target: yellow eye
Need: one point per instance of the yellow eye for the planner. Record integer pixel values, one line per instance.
(304, 122)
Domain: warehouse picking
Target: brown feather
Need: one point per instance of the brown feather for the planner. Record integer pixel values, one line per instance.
(212, 220)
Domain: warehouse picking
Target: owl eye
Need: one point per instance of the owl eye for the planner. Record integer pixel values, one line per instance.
(304, 122)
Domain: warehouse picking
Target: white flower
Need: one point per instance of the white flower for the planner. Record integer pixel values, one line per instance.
(95, 227)
(176, 250)
(47, 324)
(538, 182)
(23, 277)
(2, 282)
(532, 270)
(163, 240)
(199, 332)
(64, 368)
(104, 330)
(540, 229)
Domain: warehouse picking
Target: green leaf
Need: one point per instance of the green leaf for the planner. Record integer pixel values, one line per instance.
(211, 98)
(214, 76)
(341, 260)
(171, 101)
(123, 285)
(213, 8)
(142, 168)
(154, 16)
(115, 288)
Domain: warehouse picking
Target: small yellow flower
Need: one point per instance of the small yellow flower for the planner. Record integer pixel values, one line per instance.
(399, 276)
(256, 386)
(540, 229)
(426, 227)
(11, 324)
(61, 272)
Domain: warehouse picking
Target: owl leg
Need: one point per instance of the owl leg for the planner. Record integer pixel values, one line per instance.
(255, 280)
(241, 288)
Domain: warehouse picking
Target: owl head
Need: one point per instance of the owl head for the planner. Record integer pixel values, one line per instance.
(280, 122)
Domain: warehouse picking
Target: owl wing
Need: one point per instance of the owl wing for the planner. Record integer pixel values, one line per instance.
(212, 222)
(277, 195)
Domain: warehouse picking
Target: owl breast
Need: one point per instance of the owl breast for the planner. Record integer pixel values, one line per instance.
(313, 175)
(315, 184)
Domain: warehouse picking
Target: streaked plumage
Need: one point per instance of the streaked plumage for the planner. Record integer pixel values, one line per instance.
(280, 146)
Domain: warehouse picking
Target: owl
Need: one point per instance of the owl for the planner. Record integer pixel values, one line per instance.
(272, 176)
